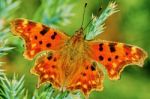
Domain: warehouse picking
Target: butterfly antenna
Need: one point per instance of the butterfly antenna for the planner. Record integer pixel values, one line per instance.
(83, 14)
(92, 18)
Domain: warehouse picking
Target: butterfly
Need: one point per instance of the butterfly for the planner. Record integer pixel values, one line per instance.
(71, 63)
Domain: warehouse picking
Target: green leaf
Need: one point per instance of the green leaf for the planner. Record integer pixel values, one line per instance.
(62, 95)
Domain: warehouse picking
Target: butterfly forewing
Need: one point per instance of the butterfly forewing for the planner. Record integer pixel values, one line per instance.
(115, 56)
(38, 37)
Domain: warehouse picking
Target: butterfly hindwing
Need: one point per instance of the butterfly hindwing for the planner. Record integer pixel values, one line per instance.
(48, 70)
(88, 78)
(115, 56)
(37, 36)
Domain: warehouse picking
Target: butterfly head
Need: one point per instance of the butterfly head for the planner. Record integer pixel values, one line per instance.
(79, 33)
(78, 36)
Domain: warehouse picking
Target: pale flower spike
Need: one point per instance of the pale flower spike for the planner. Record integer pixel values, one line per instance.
(97, 26)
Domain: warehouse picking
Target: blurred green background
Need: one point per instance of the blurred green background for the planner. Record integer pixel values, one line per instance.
(129, 25)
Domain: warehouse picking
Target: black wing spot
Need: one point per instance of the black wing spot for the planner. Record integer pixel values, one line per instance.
(53, 66)
(35, 37)
(55, 33)
(101, 47)
(83, 74)
(54, 36)
(49, 57)
(93, 67)
(109, 59)
(44, 30)
(112, 47)
(116, 57)
(40, 42)
(101, 44)
(101, 58)
(48, 45)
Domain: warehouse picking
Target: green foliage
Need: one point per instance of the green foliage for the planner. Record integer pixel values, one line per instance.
(45, 93)
(7, 10)
(136, 17)
(1, 72)
(9, 89)
(4, 50)
(52, 12)
(97, 26)
(12, 89)
(48, 92)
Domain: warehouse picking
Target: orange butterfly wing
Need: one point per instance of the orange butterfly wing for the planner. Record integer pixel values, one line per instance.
(115, 56)
(37, 36)
(48, 69)
(89, 78)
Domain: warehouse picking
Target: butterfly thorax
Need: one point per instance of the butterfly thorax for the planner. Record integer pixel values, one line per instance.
(77, 38)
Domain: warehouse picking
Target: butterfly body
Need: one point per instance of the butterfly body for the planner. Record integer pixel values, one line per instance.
(71, 62)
